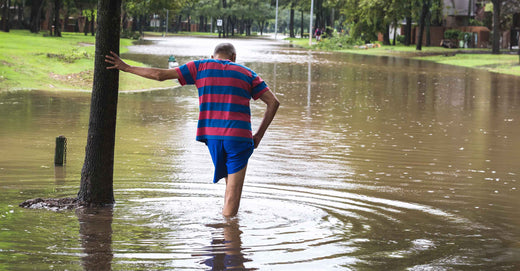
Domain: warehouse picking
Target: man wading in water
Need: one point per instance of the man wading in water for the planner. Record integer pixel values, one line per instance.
(225, 89)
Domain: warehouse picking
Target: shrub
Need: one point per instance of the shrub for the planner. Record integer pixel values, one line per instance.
(452, 34)
(127, 34)
(339, 41)
(401, 38)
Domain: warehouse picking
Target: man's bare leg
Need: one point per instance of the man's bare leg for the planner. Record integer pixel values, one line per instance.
(234, 184)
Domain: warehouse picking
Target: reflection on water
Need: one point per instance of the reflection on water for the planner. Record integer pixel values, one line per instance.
(372, 163)
(95, 231)
(226, 247)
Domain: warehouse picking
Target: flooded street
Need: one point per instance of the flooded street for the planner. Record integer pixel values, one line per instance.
(372, 163)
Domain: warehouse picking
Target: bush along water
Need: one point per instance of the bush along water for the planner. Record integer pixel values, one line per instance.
(336, 41)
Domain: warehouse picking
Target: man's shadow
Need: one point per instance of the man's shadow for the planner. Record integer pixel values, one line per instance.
(226, 252)
(95, 231)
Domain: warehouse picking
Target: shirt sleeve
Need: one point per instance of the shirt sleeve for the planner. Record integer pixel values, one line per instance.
(259, 87)
(187, 73)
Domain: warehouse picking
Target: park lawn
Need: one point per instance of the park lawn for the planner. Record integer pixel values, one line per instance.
(507, 64)
(504, 63)
(32, 61)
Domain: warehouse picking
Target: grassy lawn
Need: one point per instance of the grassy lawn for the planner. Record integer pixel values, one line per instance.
(32, 61)
(504, 63)
(507, 64)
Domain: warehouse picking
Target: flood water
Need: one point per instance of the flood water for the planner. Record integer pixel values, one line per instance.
(372, 163)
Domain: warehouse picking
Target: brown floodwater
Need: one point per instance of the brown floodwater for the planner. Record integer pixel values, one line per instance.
(372, 163)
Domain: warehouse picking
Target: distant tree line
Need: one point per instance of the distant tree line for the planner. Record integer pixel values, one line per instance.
(363, 19)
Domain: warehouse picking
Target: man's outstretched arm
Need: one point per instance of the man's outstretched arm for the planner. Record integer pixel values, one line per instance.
(150, 73)
(272, 106)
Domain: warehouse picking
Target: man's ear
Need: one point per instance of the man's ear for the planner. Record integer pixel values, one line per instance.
(212, 56)
(233, 57)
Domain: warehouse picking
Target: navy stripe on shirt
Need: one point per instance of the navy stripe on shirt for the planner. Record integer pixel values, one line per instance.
(225, 107)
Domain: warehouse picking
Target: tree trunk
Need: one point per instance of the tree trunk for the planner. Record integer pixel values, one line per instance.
(428, 32)
(19, 9)
(6, 15)
(178, 25)
(395, 32)
(408, 34)
(291, 22)
(124, 20)
(301, 25)
(496, 26)
(96, 186)
(93, 21)
(386, 35)
(261, 25)
(57, 24)
(36, 11)
(422, 20)
(86, 26)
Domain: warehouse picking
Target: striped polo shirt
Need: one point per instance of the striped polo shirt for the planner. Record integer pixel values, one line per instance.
(225, 89)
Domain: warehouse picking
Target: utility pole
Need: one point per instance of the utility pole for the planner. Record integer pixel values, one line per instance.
(310, 24)
(167, 11)
(276, 21)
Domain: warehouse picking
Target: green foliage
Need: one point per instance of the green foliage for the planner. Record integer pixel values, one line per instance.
(401, 39)
(474, 22)
(337, 42)
(464, 36)
(32, 61)
(128, 34)
(452, 34)
(71, 55)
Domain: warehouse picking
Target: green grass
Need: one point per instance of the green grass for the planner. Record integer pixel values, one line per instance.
(503, 63)
(300, 42)
(507, 64)
(32, 61)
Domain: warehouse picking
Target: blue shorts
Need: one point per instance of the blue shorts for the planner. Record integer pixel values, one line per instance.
(229, 156)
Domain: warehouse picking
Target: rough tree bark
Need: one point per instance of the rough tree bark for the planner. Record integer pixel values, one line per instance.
(96, 188)
(496, 26)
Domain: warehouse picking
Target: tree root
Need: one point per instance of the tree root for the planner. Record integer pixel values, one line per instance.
(51, 204)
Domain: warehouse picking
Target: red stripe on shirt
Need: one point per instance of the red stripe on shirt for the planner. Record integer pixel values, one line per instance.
(224, 115)
(224, 98)
(220, 66)
(193, 69)
(256, 82)
(215, 131)
(223, 81)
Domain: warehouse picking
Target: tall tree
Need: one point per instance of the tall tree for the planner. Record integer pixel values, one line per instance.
(6, 15)
(291, 22)
(56, 21)
(422, 21)
(36, 11)
(96, 187)
(496, 26)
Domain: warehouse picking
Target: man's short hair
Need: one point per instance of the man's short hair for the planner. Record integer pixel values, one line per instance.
(226, 49)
